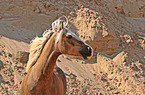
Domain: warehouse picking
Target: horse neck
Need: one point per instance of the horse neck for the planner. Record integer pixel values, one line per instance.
(44, 65)
(50, 64)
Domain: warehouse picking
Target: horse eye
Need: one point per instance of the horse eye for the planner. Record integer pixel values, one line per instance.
(69, 36)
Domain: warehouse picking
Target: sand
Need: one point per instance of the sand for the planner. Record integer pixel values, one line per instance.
(114, 28)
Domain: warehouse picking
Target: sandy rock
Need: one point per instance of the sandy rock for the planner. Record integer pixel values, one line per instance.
(22, 56)
(1, 79)
(114, 28)
(93, 30)
(129, 8)
(119, 10)
(121, 57)
(1, 64)
(17, 78)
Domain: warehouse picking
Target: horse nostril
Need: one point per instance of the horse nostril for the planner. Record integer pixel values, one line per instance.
(90, 50)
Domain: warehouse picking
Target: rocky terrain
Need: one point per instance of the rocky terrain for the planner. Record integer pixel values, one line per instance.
(114, 28)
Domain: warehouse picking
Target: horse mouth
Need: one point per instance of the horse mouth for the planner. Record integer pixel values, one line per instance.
(86, 57)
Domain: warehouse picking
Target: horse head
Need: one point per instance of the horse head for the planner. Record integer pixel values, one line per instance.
(71, 44)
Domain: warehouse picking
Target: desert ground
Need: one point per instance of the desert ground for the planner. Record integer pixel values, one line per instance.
(114, 28)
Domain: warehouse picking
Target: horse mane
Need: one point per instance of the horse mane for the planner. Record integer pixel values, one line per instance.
(38, 43)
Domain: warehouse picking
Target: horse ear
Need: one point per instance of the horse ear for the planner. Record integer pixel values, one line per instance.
(61, 26)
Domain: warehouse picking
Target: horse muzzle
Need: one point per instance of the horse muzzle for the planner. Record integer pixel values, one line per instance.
(87, 52)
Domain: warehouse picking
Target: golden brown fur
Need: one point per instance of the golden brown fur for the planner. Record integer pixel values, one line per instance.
(44, 77)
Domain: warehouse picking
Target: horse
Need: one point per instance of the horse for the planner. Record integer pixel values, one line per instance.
(43, 76)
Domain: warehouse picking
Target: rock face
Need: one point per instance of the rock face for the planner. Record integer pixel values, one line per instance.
(130, 8)
(114, 28)
(93, 30)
